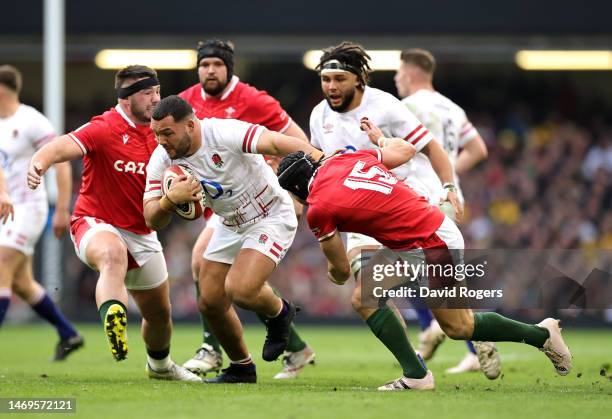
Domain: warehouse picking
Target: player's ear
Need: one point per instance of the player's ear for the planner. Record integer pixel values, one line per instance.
(190, 124)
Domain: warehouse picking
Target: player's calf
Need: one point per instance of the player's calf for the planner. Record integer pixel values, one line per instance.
(457, 324)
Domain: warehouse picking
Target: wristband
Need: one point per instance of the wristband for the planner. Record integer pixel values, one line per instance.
(450, 187)
(381, 140)
(166, 204)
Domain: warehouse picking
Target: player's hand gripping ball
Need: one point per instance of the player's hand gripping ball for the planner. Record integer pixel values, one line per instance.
(191, 210)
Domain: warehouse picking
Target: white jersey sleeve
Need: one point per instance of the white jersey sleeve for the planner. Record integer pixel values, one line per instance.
(431, 120)
(403, 124)
(468, 132)
(158, 162)
(41, 130)
(238, 136)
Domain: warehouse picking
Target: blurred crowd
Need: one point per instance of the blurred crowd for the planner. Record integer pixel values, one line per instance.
(543, 186)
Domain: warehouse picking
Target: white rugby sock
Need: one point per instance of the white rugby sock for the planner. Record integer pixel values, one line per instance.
(159, 364)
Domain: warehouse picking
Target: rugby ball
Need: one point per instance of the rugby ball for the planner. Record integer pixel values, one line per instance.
(189, 210)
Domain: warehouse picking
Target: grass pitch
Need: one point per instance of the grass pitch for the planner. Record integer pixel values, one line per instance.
(351, 363)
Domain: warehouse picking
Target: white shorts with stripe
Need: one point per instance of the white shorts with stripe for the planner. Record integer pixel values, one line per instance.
(271, 236)
(23, 231)
(146, 264)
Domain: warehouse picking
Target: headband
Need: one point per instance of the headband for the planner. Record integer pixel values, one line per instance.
(335, 65)
(124, 92)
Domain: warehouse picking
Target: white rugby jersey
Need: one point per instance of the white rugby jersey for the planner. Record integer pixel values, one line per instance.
(21, 134)
(239, 185)
(331, 130)
(448, 124)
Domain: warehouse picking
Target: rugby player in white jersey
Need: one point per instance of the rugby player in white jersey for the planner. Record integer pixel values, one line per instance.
(450, 126)
(258, 220)
(335, 123)
(23, 130)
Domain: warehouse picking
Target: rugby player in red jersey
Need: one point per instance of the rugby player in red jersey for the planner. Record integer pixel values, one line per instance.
(108, 227)
(356, 192)
(221, 94)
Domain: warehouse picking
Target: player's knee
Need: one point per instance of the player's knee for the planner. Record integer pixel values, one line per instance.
(241, 296)
(21, 287)
(210, 306)
(111, 257)
(159, 314)
(204, 305)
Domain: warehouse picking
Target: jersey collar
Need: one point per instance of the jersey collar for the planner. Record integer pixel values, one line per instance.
(228, 90)
(119, 109)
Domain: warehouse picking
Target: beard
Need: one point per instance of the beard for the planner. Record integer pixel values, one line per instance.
(213, 89)
(346, 102)
(141, 114)
(182, 148)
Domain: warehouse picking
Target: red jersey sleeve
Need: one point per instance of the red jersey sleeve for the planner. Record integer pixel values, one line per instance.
(265, 110)
(89, 135)
(321, 222)
(375, 153)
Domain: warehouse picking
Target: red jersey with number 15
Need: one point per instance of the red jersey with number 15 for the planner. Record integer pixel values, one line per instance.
(355, 193)
(115, 156)
(239, 101)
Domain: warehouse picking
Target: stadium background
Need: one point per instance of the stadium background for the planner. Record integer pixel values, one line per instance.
(545, 184)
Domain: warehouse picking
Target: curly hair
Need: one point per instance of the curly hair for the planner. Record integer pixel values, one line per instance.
(350, 54)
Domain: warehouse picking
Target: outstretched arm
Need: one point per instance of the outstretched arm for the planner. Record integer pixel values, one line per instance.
(338, 266)
(61, 149)
(293, 130)
(277, 144)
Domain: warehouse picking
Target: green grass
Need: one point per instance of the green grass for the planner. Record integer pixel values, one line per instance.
(351, 363)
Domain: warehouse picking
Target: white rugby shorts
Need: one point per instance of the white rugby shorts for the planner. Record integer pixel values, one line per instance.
(271, 236)
(23, 231)
(146, 264)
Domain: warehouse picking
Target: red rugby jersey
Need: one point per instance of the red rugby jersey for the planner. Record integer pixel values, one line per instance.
(240, 101)
(116, 154)
(354, 192)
